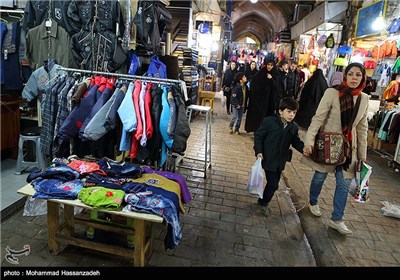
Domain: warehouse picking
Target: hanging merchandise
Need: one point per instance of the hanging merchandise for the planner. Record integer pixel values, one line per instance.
(394, 27)
(311, 43)
(330, 41)
(134, 64)
(157, 69)
(345, 50)
(369, 64)
(340, 61)
(321, 41)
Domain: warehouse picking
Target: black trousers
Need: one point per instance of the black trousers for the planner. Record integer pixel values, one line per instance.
(228, 103)
(271, 186)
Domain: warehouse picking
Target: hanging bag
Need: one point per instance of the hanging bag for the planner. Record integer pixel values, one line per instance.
(256, 182)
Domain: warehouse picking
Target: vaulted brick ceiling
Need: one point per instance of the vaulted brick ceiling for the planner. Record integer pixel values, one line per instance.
(263, 19)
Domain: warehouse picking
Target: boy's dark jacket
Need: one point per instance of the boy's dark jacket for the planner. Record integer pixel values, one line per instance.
(273, 142)
(237, 95)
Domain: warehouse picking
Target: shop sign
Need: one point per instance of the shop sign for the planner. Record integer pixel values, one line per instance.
(203, 28)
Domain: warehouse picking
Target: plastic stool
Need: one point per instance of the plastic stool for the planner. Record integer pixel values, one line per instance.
(29, 134)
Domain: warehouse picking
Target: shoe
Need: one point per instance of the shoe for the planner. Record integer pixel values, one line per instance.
(262, 203)
(264, 211)
(230, 131)
(237, 133)
(314, 209)
(340, 227)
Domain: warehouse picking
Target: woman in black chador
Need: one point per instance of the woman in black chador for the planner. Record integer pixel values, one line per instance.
(262, 96)
(310, 97)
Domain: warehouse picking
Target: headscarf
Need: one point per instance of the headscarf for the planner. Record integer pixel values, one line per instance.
(347, 105)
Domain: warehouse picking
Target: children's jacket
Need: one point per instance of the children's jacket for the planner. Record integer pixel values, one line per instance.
(273, 141)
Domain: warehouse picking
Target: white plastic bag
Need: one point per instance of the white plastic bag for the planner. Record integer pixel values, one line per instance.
(256, 182)
(390, 209)
(221, 94)
(35, 207)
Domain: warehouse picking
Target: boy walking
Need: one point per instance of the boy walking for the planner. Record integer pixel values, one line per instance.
(271, 143)
(237, 101)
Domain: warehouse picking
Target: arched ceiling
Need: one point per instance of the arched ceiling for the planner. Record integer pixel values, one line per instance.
(262, 19)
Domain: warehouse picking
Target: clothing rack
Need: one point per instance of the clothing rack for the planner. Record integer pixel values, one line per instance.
(11, 11)
(125, 76)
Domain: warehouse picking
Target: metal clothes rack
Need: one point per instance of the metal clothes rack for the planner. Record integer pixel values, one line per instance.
(11, 11)
(125, 76)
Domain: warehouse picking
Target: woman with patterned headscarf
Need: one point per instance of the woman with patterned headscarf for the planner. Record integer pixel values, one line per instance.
(335, 114)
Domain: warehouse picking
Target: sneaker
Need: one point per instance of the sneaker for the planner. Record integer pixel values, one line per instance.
(314, 209)
(264, 211)
(230, 131)
(262, 203)
(340, 227)
(237, 133)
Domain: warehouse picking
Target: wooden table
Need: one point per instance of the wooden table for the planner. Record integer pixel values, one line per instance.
(63, 233)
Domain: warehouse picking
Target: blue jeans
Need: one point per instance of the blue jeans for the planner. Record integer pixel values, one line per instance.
(237, 116)
(341, 192)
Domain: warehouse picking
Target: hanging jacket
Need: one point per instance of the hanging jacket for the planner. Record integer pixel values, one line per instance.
(146, 20)
(37, 12)
(95, 53)
(81, 15)
(70, 128)
(151, 152)
(182, 130)
(105, 95)
(105, 119)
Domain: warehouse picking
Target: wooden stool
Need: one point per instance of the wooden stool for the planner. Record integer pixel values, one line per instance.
(207, 99)
(208, 102)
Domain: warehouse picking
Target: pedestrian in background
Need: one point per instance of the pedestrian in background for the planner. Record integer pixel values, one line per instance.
(292, 80)
(227, 84)
(250, 72)
(282, 86)
(238, 98)
(262, 101)
(310, 97)
(334, 114)
(271, 143)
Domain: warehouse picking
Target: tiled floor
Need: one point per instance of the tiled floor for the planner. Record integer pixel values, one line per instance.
(9, 185)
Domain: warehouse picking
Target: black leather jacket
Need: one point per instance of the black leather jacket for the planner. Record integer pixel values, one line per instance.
(81, 15)
(97, 50)
(102, 46)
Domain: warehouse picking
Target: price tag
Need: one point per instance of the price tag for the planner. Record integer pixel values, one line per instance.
(48, 23)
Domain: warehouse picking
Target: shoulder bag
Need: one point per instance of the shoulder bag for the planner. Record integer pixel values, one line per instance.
(332, 148)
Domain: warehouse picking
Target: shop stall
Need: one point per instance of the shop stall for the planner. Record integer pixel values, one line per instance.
(375, 44)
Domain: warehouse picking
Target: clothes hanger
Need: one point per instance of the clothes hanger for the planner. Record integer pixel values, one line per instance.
(16, 17)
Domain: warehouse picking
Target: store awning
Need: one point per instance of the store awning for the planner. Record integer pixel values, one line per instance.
(325, 12)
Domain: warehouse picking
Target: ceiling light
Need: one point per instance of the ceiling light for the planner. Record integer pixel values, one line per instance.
(379, 22)
(253, 1)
